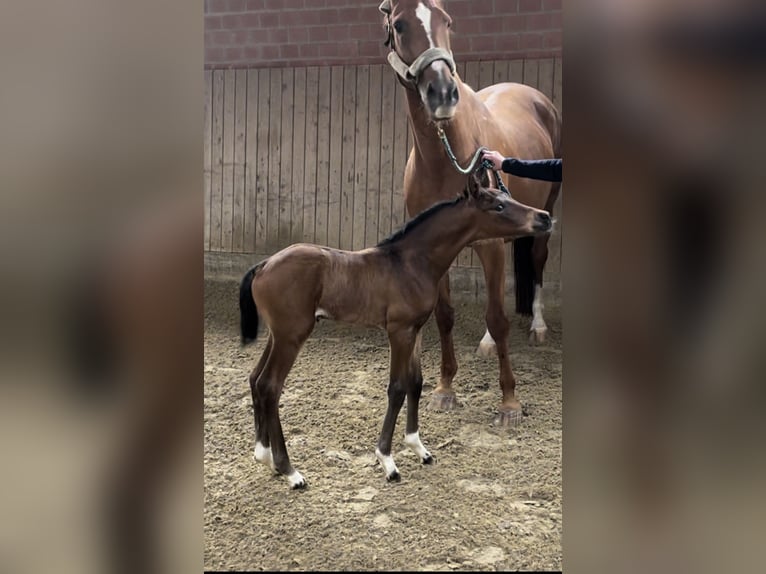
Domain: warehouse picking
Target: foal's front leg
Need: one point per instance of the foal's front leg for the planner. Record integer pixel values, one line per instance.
(412, 434)
(405, 380)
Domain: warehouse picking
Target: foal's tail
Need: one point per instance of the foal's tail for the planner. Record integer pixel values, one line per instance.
(248, 313)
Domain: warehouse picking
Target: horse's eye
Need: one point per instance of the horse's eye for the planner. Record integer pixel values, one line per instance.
(499, 207)
(399, 26)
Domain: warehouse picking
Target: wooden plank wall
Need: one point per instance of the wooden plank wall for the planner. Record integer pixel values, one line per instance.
(317, 154)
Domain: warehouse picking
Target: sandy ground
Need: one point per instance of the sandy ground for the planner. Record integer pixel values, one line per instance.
(491, 502)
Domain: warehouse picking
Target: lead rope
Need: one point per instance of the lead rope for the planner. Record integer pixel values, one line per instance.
(486, 164)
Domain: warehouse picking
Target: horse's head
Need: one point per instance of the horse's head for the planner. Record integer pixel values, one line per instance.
(418, 35)
(501, 216)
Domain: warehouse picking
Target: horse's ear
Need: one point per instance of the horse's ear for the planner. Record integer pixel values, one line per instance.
(385, 7)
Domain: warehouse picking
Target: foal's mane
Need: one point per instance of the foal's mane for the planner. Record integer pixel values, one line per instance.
(417, 220)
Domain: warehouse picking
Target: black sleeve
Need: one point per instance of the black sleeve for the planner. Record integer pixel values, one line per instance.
(543, 169)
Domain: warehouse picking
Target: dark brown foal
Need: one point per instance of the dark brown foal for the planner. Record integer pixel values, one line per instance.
(393, 286)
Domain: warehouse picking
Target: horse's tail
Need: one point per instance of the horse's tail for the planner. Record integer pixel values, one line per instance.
(248, 312)
(524, 275)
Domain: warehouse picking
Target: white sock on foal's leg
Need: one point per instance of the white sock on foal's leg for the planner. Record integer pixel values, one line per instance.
(387, 461)
(412, 440)
(263, 455)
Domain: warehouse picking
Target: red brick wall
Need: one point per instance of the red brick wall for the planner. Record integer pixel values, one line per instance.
(276, 33)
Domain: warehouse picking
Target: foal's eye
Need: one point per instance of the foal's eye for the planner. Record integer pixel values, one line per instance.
(399, 26)
(499, 207)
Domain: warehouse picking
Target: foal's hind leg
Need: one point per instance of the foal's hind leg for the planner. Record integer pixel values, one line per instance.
(492, 256)
(262, 444)
(269, 389)
(443, 397)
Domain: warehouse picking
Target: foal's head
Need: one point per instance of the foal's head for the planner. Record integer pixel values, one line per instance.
(414, 26)
(501, 216)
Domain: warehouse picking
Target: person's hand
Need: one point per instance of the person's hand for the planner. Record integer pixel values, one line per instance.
(495, 158)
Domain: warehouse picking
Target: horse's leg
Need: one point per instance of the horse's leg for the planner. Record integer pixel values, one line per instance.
(269, 388)
(415, 388)
(492, 257)
(262, 444)
(538, 328)
(487, 347)
(402, 342)
(443, 397)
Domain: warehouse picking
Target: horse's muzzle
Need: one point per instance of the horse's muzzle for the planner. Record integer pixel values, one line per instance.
(440, 93)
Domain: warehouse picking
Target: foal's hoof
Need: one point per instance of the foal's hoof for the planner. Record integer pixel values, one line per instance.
(296, 480)
(428, 459)
(509, 418)
(394, 477)
(443, 402)
(537, 336)
(487, 350)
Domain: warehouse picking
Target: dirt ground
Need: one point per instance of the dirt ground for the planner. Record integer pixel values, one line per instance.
(491, 502)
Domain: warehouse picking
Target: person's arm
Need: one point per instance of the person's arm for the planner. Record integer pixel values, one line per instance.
(542, 169)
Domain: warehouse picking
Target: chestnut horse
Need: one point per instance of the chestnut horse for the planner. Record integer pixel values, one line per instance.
(515, 120)
(393, 286)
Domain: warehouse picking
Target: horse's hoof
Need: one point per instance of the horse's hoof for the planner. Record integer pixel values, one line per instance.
(429, 459)
(509, 418)
(443, 402)
(487, 350)
(394, 477)
(537, 336)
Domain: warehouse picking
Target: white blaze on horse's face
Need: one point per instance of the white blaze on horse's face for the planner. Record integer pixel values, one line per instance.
(424, 15)
(437, 87)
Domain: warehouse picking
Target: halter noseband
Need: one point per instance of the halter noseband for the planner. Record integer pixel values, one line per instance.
(410, 74)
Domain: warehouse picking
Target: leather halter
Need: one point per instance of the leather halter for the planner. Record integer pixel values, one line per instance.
(410, 74)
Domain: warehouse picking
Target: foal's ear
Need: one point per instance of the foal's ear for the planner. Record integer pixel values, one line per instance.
(474, 184)
(385, 7)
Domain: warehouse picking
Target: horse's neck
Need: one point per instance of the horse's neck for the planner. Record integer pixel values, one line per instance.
(461, 132)
(441, 238)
